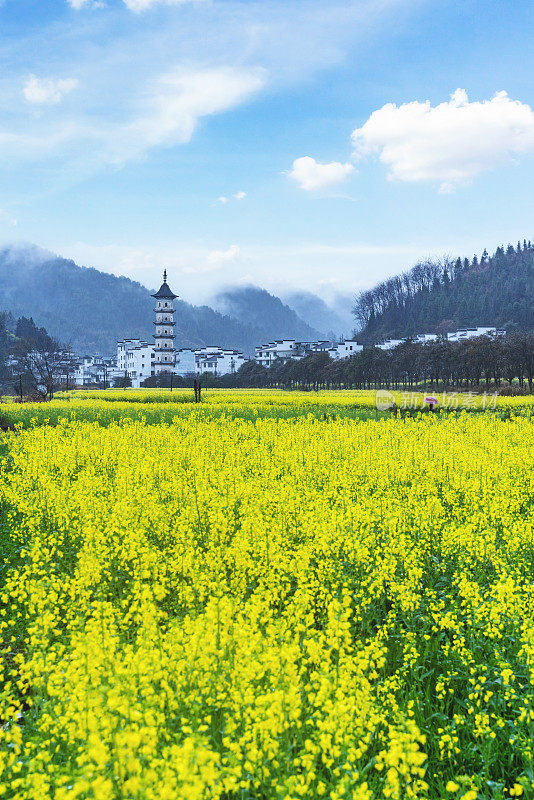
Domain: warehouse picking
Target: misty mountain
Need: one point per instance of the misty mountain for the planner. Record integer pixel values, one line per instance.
(91, 310)
(316, 312)
(266, 313)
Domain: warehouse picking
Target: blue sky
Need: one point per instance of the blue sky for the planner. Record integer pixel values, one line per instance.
(306, 145)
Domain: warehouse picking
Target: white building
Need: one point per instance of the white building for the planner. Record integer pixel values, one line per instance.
(95, 369)
(218, 361)
(283, 350)
(457, 336)
(68, 370)
(389, 344)
(472, 333)
(185, 362)
(125, 357)
(135, 360)
(346, 349)
(423, 338)
(140, 361)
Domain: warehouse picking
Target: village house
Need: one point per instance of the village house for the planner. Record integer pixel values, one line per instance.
(218, 361)
(457, 336)
(283, 350)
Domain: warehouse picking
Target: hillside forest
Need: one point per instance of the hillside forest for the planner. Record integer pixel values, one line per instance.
(441, 296)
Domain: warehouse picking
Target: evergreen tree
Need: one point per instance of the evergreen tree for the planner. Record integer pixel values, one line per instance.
(28, 332)
(500, 295)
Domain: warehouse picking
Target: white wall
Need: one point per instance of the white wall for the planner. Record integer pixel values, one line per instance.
(185, 362)
(348, 348)
(217, 361)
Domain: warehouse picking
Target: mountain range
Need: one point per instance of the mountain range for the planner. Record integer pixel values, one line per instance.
(90, 310)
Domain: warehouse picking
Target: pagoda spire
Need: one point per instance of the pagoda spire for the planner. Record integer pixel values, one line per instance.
(164, 350)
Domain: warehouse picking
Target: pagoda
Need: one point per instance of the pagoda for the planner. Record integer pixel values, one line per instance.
(164, 352)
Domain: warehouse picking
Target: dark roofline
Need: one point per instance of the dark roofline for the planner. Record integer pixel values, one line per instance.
(164, 292)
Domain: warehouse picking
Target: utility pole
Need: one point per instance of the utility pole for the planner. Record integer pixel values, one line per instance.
(20, 387)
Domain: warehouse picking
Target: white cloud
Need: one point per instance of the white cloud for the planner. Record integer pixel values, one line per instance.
(47, 90)
(449, 143)
(310, 174)
(218, 258)
(166, 113)
(144, 5)
(223, 200)
(134, 5)
(78, 4)
(119, 58)
(215, 261)
(178, 101)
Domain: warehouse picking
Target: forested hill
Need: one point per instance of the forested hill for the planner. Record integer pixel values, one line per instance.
(441, 296)
(91, 310)
(252, 305)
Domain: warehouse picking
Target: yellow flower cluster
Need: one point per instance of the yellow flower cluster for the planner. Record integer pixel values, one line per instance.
(260, 399)
(162, 405)
(238, 605)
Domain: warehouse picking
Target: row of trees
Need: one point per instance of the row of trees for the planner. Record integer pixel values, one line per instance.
(439, 296)
(477, 364)
(471, 364)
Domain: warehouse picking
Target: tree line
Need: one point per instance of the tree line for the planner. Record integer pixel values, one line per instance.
(437, 296)
(472, 364)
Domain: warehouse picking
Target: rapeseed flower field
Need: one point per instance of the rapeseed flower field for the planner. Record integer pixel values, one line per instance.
(266, 596)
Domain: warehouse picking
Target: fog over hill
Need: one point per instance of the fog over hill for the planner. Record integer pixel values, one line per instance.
(91, 310)
(254, 306)
(334, 322)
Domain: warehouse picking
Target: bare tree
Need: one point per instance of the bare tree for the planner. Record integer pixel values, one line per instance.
(42, 366)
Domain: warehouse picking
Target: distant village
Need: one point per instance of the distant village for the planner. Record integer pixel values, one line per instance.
(138, 360)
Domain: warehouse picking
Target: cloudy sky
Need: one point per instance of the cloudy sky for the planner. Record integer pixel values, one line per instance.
(291, 144)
